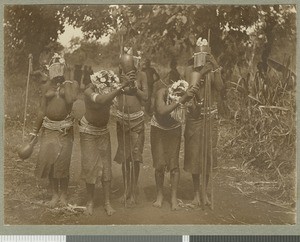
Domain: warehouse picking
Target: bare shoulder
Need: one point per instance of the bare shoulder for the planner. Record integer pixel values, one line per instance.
(159, 85)
(89, 90)
(141, 76)
(161, 92)
(187, 73)
(46, 86)
(72, 84)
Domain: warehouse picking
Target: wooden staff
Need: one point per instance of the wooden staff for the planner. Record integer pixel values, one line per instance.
(121, 43)
(124, 153)
(209, 151)
(132, 177)
(122, 32)
(208, 38)
(204, 144)
(210, 140)
(30, 57)
(206, 138)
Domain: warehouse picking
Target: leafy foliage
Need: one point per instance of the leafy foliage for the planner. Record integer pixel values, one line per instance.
(95, 20)
(29, 29)
(169, 30)
(93, 52)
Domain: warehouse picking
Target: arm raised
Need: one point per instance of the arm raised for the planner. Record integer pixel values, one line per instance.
(162, 108)
(160, 105)
(71, 91)
(102, 98)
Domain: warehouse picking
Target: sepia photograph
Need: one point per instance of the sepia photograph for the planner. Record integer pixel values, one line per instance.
(142, 114)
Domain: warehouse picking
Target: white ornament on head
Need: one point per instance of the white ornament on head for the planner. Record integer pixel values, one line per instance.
(105, 81)
(175, 92)
(202, 42)
(56, 66)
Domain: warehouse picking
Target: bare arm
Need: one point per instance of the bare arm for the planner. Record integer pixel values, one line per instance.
(36, 73)
(218, 81)
(101, 98)
(162, 108)
(41, 113)
(216, 73)
(71, 91)
(142, 92)
(153, 95)
(156, 77)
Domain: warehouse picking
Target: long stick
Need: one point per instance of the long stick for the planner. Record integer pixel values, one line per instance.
(208, 37)
(26, 95)
(210, 141)
(124, 153)
(121, 41)
(204, 148)
(132, 165)
(202, 155)
(210, 130)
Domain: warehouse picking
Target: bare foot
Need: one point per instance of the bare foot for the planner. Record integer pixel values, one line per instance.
(89, 208)
(63, 200)
(196, 202)
(159, 201)
(109, 210)
(54, 201)
(174, 204)
(207, 201)
(124, 198)
(137, 190)
(132, 200)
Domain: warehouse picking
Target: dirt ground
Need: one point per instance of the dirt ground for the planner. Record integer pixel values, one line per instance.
(240, 196)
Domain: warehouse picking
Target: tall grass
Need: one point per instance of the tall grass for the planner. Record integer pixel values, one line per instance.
(265, 128)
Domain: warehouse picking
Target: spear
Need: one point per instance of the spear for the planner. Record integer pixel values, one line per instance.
(204, 147)
(206, 137)
(210, 130)
(121, 43)
(210, 139)
(30, 57)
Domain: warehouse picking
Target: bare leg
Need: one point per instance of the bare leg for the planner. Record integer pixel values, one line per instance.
(134, 171)
(107, 206)
(159, 179)
(137, 173)
(196, 182)
(55, 198)
(90, 188)
(64, 183)
(125, 173)
(174, 186)
(207, 201)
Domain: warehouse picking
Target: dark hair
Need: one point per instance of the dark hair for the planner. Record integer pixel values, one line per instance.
(173, 63)
(58, 79)
(198, 68)
(190, 62)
